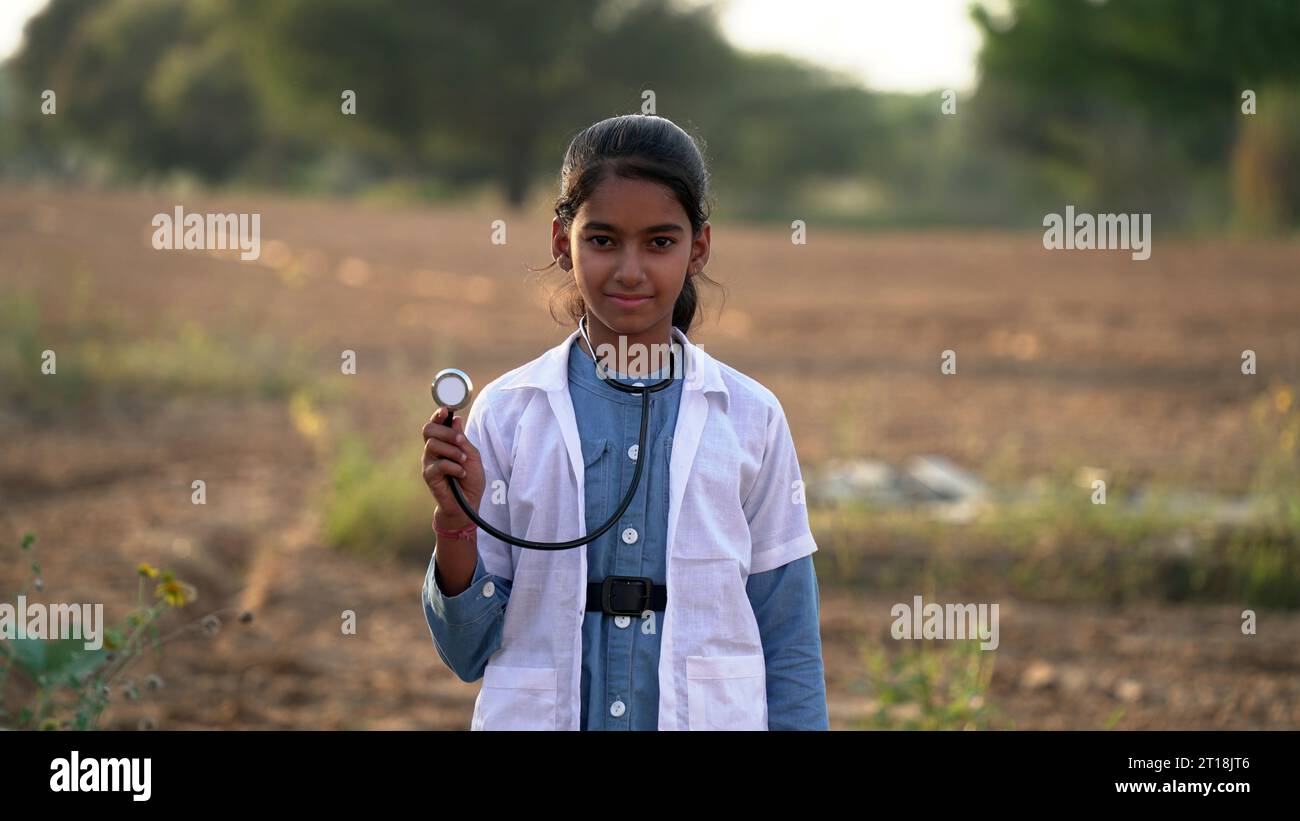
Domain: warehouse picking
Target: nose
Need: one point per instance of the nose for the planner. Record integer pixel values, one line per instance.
(630, 274)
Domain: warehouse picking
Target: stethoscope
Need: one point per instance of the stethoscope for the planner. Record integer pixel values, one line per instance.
(452, 388)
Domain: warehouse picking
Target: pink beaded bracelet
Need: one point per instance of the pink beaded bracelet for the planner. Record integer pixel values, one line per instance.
(463, 533)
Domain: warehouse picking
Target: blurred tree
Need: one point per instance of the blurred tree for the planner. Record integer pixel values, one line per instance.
(1265, 158)
(464, 94)
(469, 89)
(1132, 102)
(141, 81)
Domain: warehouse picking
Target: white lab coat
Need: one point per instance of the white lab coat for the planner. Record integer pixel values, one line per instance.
(735, 508)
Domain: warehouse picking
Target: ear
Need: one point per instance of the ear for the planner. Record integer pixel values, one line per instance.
(700, 249)
(560, 244)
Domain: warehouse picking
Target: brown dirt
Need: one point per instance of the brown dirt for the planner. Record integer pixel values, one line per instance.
(1063, 357)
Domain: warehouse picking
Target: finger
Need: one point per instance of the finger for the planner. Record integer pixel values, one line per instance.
(462, 441)
(442, 467)
(433, 470)
(440, 431)
(439, 414)
(435, 447)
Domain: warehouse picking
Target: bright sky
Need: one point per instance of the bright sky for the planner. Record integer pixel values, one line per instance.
(13, 14)
(891, 45)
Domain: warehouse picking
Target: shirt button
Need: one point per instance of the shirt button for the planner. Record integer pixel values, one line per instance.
(622, 621)
(617, 709)
(632, 452)
(629, 536)
(488, 590)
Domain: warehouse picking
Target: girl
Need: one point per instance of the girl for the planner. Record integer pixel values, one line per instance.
(699, 608)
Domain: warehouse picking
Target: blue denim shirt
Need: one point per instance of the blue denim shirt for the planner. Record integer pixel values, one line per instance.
(620, 654)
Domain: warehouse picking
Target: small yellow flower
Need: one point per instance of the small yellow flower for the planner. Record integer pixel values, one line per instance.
(147, 570)
(176, 593)
(1282, 400)
(305, 417)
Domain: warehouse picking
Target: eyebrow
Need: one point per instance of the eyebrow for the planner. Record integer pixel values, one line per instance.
(653, 229)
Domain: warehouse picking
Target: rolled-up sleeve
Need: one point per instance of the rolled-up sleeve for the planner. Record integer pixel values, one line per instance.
(466, 628)
(788, 611)
(775, 509)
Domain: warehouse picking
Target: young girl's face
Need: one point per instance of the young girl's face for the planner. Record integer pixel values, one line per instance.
(630, 238)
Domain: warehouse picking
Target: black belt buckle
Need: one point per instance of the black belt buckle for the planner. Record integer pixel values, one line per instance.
(624, 594)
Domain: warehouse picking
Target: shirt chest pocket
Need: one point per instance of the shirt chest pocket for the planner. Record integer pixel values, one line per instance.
(597, 467)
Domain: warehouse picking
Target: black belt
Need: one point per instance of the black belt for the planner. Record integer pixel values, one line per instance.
(626, 595)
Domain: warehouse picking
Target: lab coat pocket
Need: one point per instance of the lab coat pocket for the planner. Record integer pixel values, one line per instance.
(517, 698)
(726, 692)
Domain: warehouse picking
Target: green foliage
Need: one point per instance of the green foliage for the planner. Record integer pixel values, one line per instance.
(1266, 162)
(52, 659)
(926, 687)
(1057, 544)
(250, 92)
(1136, 106)
(1113, 106)
(73, 685)
(98, 363)
(377, 507)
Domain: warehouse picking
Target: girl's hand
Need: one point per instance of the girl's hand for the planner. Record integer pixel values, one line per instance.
(462, 461)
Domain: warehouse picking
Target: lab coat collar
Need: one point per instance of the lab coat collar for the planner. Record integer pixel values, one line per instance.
(550, 371)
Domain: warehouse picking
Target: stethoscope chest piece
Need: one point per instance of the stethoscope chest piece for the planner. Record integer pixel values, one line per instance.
(452, 387)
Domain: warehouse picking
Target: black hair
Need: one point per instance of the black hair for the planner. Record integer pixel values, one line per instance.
(635, 146)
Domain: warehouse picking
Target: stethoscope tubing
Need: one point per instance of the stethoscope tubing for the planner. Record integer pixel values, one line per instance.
(636, 475)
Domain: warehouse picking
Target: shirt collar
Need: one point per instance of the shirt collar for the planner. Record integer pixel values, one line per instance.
(550, 371)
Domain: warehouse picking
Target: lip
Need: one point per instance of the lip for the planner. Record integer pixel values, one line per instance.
(628, 302)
